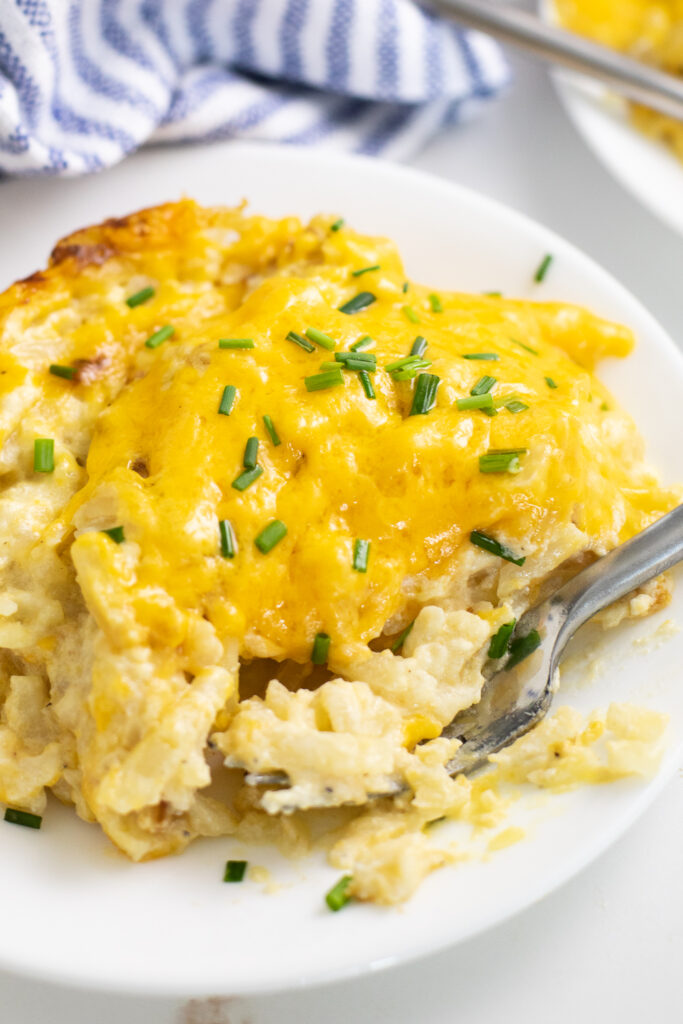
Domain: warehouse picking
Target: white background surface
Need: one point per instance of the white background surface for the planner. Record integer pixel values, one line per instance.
(607, 947)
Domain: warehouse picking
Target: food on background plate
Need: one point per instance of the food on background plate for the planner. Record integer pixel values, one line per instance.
(269, 506)
(649, 30)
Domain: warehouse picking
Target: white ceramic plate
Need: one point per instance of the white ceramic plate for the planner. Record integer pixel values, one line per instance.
(76, 911)
(645, 167)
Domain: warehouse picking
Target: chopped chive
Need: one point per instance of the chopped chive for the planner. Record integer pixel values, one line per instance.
(435, 303)
(358, 303)
(365, 270)
(302, 342)
(236, 343)
(494, 547)
(411, 370)
(543, 268)
(400, 364)
(322, 381)
(527, 348)
(235, 870)
(507, 462)
(406, 286)
(475, 402)
(500, 640)
(116, 534)
(25, 818)
(493, 295)
(483, 385)
(44, 455)
(227, 399)
(162, 334)
(508, 451)
(329, 365)
(604, 407)
(338, 896)
(247, 478)
(410, 314)
(515, 406)
(490, 412)
(402, 637)
(227, 538)
(321, 647)
(481, 355)
(272, 432)
(251, 453)
(362, 343)
(521, 647)
(424, 396)
(419, 346)
(324, 340)
(139, 297)
(361, 554)
(270, 535)
(367, 384)
(550, 382)
(357, 357)
(67, 372)
(337, 224)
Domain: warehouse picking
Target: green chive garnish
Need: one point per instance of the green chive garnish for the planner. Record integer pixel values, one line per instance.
(543, 268)
(514, 406)
(494, 547)
(406, 286)
(361, 554)
(402, 637)
(116, 534)
(227, 538)
(67, 372)
(493, 295)
(499, 462)
(329, 365)
(604, 407)
(227, 399)
(251, 453)
(162, 334)
(142, 296)
(321, 647)
(358, 303)
(270, 535)
(475, 402)
(324, 340)
(410, 314)
(270, 427)
(338, 896)
(337, 224)
(527, 348)
(483, 385)
(322, 381)
(236, 343)
(481, 355)
(15, 817)
(362, 343)
(435, 303)
(424, 396)
(367, 384)
(302, 342)
(365, 270)
(247, 478)
(522, 647)
(357, 360)
(419, 346)
(44, 455)
(403, 362)
(550, 382)
(235, 870)
(500, 640)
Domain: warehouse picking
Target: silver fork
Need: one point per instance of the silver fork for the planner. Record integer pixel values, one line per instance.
(514, 700)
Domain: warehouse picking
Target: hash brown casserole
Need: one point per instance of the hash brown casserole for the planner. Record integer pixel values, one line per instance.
(216, 549)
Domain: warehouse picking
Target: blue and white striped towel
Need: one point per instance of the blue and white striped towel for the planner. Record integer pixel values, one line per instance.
(84, 82)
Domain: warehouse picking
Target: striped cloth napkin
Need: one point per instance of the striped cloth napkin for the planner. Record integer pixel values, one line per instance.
(84, 82)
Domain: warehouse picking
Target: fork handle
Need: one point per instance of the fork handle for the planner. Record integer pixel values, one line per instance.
(638, 81)
(612, 577)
